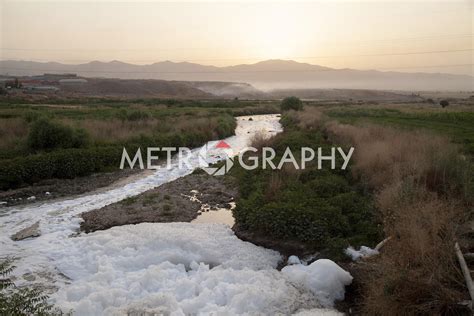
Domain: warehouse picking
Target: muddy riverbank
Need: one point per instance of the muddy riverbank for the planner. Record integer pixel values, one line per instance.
(181, 200)
(57, 188)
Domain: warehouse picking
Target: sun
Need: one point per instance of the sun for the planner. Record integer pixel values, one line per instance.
(274, 38)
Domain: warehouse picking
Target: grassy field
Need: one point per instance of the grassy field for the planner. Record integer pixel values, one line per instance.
(457, 124)
(55, 138)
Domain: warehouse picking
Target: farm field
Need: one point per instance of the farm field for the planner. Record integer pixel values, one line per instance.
(456, 123)
(64, 132)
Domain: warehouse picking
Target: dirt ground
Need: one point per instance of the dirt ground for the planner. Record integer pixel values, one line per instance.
(183, 200)
(56, 188)
(178, 201)
(285, 247)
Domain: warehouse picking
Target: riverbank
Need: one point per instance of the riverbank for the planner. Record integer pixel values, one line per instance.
(184, 200)
(51, 189)
(181, 200)
(163, 268)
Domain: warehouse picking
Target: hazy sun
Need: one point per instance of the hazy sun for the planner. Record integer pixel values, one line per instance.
(275, 36)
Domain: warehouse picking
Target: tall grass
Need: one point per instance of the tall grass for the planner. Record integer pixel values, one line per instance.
(423, 190)
(12, 132)
(422, 187)
(36, 132)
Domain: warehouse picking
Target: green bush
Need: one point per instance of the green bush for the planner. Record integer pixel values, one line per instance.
(48, 135)
(320, 208)
(226, 126)
(291, 103)
(134, 115)
(64, 163)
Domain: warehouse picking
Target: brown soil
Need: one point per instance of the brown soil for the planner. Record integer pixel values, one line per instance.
(170, 202)
(285, 247)
(56, 188)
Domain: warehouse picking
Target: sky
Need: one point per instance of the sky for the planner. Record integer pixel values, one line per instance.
(407, 36)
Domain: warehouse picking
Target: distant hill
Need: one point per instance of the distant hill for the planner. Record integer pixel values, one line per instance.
(135, 89)
(270, 74)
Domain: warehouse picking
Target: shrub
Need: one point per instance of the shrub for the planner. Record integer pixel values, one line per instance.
(64, 163)
(225, 126)
(444, 103)
(291, 103)
(47, 135)
(319, 208)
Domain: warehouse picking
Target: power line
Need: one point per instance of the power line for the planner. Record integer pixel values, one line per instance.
(435, 66)
(213, 48)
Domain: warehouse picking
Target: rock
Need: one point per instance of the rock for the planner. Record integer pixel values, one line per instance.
(28, 232)
(31, 198)
(29, 277)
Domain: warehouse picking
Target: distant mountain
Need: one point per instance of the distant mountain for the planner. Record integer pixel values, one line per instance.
(134, 89)
(270, 74)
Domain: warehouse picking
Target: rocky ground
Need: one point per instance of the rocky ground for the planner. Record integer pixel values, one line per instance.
(178, 201)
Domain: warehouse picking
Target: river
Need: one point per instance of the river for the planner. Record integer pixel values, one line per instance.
(170, 268)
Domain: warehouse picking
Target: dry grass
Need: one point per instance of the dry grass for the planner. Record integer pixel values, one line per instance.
(310, 118)
(12, 131)
(418, 273)
(387, 156)
(110, 131)
(115, 130)
(418, 180)
(259, 141)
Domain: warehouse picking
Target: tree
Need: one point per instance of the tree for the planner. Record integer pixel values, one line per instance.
(24, 300)
(444, 103)
(430, 101)
(291, 103)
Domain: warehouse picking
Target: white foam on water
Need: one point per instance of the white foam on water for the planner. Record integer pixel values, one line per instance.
(175, 268)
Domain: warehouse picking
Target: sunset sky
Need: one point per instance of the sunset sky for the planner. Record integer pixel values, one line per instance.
(340, 34)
